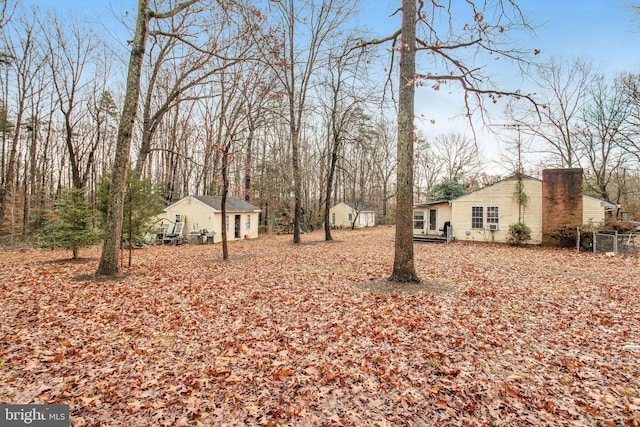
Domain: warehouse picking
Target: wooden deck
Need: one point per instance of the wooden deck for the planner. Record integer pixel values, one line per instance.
(425, 238)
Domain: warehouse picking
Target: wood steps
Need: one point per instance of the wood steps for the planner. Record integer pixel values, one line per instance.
(420, 238)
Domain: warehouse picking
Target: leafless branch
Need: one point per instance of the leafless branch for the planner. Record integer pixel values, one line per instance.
(374, 42)
(173, 12)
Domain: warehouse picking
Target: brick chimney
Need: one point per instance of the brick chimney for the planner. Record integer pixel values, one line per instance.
(561, 203)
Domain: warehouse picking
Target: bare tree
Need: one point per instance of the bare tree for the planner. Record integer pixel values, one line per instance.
(293, 53)
(564, 90)
(447, 47)
(604, 119)
(109, 259)
(458, 155)
(7, 9)
(27, 61)
(630, 141)
(70, 53)
(343, 111)
(258, 91)
(382, 161)
(230, 125)
(427, 168)
(179, 63)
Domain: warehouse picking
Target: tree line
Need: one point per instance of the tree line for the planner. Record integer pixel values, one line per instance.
(281, 103)
(219, 82)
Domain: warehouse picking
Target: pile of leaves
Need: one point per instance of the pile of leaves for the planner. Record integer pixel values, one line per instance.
(314, 335)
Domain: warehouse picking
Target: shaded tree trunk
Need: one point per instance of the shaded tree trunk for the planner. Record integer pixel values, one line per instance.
(403, 262)
(7, 186)
(297, 183)
(223, 201)
(113, 228)
(327, 204)
(248, 168)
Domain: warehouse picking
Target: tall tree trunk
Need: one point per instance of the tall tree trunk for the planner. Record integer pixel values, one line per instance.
(297, 184)
(7, 186)
(143, 154)
(295, 117)
(248, 168)
(223, 202)
(110, 250)
(329, 189)
(73, 159)
(403, 262)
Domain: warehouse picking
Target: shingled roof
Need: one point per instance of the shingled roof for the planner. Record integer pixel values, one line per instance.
(233, 203)
(359, 207)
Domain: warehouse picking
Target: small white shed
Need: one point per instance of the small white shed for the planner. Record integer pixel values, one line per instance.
(345, 215)
(204, 214)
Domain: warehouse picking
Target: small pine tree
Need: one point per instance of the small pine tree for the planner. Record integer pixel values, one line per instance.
(446, 190)
(69, 226)
(140, 204)
(519, 234)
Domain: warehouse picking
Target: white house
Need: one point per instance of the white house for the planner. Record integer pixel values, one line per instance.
(429, 218)
(204, 214)
(487, 213)
(346, 215)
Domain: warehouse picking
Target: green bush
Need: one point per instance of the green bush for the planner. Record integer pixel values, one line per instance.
(141, 203)
(446, 190)
(69, 226)
(519, 234)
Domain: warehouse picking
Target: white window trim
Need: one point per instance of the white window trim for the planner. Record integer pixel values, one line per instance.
(421, 213)
(481, 227)
(493, 220)
(487, 220)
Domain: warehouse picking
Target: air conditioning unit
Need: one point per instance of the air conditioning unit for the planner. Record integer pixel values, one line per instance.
(492, 227)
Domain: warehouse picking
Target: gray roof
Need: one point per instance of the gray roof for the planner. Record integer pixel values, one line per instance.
(359, 207)
(233, 203)
(431, 203)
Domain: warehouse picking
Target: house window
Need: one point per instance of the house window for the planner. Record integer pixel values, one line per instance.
(493, 217)
(418, 220)
(333, 219)
(226, 222)
(248, 223)
(477, 217)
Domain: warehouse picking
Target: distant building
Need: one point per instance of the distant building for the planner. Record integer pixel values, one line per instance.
(204, 214)
(344, 215)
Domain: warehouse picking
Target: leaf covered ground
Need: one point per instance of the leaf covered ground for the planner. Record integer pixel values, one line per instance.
(314, 335)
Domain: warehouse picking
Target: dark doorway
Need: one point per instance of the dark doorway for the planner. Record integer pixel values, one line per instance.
(236, 231)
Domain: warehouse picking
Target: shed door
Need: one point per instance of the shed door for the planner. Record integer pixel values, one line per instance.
(433, 220)
(236, 229)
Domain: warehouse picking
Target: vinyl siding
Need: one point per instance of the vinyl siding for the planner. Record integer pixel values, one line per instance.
(200, 216)
(443, 215)
(365, 218)
(500, 195)
(592, 210)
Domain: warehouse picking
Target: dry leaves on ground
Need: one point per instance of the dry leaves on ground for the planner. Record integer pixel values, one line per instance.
(313, 335)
